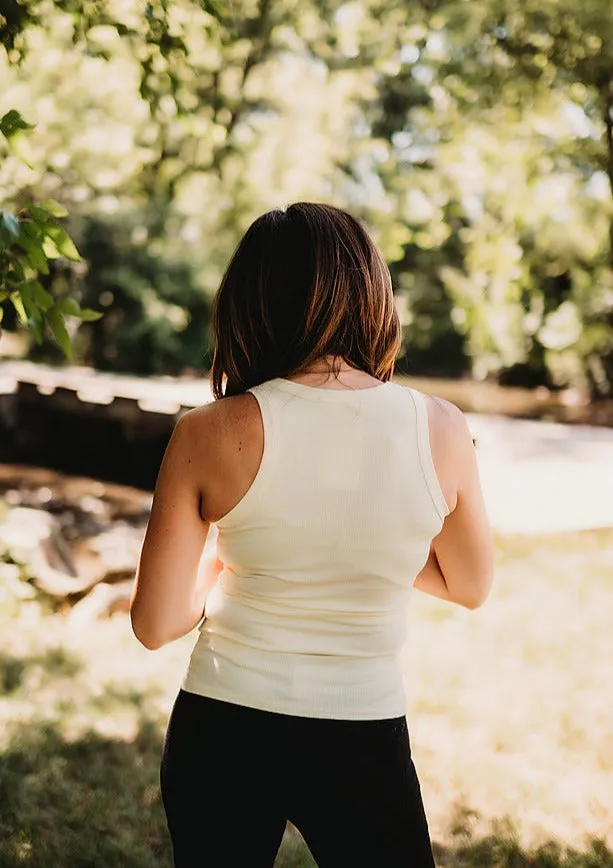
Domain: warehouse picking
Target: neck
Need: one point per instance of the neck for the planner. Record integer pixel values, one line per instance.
(328, 365)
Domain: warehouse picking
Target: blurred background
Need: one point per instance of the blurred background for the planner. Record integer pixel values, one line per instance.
(139, 140)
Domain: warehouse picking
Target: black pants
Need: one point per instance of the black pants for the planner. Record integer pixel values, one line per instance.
(232, 776)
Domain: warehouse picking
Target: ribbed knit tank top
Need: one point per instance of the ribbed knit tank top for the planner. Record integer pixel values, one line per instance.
(310, 611)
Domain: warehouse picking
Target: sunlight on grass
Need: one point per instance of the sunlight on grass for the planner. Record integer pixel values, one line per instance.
(509, 710)
(509, 706)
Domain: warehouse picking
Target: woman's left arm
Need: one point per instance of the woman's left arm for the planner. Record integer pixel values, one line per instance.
(170, 589)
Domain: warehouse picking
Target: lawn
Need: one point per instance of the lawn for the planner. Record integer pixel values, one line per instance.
(509, 708)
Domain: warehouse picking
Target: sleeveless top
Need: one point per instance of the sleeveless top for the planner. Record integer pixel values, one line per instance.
(309, 614)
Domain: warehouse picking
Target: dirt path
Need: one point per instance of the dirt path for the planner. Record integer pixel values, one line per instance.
(537, 476)
(540, 477)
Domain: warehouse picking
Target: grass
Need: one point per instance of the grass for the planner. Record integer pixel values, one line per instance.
(509, 709)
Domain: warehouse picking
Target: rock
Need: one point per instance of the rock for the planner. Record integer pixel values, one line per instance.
(53, 581)
(118, 548)
(33, 538)
(25, 528)
(102, 601)
(78, 540)
(28, 533)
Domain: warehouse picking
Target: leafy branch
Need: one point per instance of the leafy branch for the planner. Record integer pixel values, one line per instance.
(29, 239)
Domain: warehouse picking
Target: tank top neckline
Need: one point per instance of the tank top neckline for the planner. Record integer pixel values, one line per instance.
(317, 393)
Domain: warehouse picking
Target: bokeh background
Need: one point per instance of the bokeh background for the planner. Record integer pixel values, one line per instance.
(476, 141)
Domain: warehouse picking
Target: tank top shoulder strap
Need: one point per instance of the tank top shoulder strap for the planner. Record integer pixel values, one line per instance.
(424, 450)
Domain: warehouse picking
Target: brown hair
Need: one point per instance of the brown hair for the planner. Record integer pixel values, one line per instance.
(303, 283)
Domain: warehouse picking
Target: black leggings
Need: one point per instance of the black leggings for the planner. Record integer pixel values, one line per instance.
(232, 776)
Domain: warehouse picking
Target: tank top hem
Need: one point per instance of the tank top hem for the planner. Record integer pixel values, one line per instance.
(280, 708)
(300, 685)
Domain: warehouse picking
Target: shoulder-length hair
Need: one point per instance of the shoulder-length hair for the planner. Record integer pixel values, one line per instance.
(303, 283)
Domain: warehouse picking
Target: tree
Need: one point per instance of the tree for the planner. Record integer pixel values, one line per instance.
(498, 155)
(559, 53)
(471, 136)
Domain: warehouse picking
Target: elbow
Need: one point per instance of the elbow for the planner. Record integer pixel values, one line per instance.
(149, 642)
(477, 596)
(147, 637)
(473, 603)
(153, 630)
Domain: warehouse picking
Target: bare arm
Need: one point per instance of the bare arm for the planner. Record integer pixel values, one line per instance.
(431, 579)
(173, 578)
(463, 552)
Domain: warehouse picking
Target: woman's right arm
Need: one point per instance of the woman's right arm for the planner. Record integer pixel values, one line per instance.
(463, 551)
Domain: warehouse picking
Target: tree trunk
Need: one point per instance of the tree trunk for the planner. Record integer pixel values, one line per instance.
(601, 391)
(608, 120)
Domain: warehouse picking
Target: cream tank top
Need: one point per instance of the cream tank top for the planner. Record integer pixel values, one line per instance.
(310, 611)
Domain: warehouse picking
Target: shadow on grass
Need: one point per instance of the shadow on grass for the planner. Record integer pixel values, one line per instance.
(89, 802)
(502, 851)
(95, 802)
(501, 848)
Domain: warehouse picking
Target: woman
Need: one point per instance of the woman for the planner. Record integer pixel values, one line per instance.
(334, 491)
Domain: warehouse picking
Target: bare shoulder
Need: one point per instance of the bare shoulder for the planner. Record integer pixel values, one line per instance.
(443, 409)
(446, 421)
(220, 418)
(219, 430)
(450, 444)
(225, 441)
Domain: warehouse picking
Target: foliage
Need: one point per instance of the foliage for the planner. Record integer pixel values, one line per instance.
(475, 139)
(28, 240)
(525, 59)
(156, 313)
(503, 170)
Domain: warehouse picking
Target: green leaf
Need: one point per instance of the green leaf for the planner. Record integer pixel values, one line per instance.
(34, 252)
(62, 241)
(52, 207)
(57, 242)
(15, 274)
(35, 319)
(39, 214)
(58, 330)
(17, 303)
(35, 297)
(13, 127)
(71, 307)
(6, 239)
(26, 294)
(34, 316)
(11, 279)
(43, 298)
(88, 315)
(32, 230)
(12, 122)
(1, 313)
(50, 250)
(68, 306)
(36, 327)
(20, 146)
